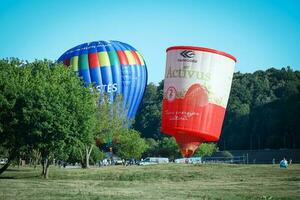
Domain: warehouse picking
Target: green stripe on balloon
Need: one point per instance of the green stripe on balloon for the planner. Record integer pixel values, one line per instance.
(83, 61)
(113, 57)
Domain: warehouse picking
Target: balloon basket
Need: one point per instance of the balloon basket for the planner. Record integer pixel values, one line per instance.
(187, 145)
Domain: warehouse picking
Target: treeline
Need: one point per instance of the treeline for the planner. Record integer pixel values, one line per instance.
(263, 111)
(47, 114)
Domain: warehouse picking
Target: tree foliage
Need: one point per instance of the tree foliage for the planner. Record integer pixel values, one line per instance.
(262, 112)
(206, 149)
(148, 119)
(166, 147)
(130, 144)
(44, 107)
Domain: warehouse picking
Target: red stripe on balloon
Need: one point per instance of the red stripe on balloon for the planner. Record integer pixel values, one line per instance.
(136, 57)
(122, 57)
(93, 60)
(67, 62)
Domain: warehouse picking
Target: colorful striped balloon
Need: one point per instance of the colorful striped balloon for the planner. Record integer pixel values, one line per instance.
(113, 67)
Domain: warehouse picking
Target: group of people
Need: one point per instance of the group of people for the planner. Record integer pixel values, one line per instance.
(108, 162)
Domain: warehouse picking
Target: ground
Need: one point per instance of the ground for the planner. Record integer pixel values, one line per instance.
(169, 181)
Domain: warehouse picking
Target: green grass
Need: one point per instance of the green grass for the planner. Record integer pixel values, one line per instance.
(172, 181)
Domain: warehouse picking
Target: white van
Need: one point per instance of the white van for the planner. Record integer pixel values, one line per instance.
(3, 161)
(191, 160)
(154, 160)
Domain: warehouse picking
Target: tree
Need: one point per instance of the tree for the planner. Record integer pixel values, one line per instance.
(148, 118)
(110, 119)
(130, 144)
(168, 148)
(84, 131)
(206, 149)
(153, 147)
(46, 109)
(13, 79)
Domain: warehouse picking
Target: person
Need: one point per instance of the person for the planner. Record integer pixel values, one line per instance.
(283, 163)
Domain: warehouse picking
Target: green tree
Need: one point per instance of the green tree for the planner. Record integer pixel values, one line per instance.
(148, 118)
(262, 110)
(130, 144)
(168, 148)
(153, 147)
(206, 149)
(97, 155)
(110, 120)
(48, 109)
(13, 79)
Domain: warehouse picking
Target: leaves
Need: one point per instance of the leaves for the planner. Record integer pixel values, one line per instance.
(130, 145)
(206, 149)
(262, 111)
(44, 107)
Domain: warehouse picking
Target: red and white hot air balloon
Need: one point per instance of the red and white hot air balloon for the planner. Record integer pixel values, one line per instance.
(196, 90)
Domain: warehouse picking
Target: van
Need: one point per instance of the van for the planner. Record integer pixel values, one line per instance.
(191, 160)
(3, 161)
(154, 160)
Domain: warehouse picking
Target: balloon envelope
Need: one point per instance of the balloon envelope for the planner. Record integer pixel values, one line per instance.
(196, 90)
(113, 67)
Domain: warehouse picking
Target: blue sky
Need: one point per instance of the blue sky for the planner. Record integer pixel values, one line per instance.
(259, 33)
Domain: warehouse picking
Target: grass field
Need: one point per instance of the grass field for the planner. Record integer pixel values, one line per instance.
(171, 181)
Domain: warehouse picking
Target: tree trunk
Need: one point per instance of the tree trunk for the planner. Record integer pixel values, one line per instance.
(36, 158)
(45, 164)
(11, 156)
(87, 159)
(34, 163)
(4, 167)
(46, 170)
(88, 151)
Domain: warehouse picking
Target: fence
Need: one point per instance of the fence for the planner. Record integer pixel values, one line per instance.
(269, 156)
(231, 160)
(265, 156)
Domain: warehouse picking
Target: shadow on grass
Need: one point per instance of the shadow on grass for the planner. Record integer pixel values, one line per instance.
(292, 179)
(12, 170)
(6, 177)
(21, 177)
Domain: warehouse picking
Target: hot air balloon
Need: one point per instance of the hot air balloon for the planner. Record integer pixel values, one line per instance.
(113, 67)
(196, 90)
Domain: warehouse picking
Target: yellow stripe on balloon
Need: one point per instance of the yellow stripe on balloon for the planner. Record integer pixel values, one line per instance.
(103, 59)
(74, 63)
(140, 58)
(131, 60)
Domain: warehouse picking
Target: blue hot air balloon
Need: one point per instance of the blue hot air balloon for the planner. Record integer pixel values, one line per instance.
(113, 67)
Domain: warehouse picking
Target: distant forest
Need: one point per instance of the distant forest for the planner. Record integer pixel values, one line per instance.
(263, 111)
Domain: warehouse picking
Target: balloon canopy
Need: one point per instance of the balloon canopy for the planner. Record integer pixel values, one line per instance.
(113, 67)
(196, 90)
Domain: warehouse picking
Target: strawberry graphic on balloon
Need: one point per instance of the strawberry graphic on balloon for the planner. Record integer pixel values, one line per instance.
(196, 96)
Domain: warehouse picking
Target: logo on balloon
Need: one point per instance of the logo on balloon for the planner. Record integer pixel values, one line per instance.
(187, 54)
(109, 88)
(171, 93)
